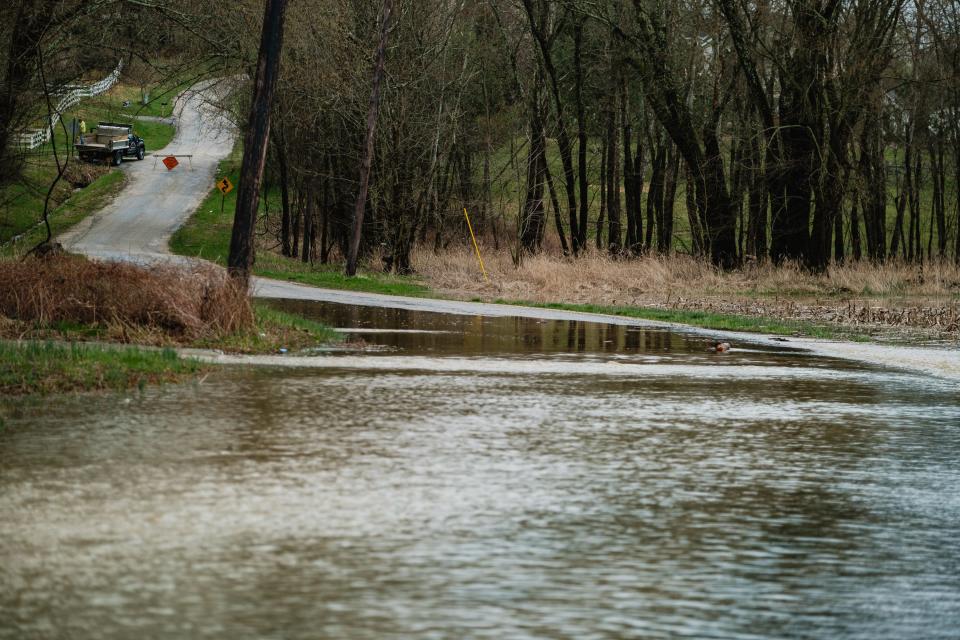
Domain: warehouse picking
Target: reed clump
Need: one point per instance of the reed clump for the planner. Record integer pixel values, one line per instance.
(181, 303)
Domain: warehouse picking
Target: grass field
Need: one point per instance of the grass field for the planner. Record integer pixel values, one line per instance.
(48, 367)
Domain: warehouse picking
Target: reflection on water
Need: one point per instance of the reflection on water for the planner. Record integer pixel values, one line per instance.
(438, 334)
(431, 333)
(369, 503)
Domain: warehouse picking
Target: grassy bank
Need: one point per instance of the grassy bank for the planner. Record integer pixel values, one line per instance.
(207, 235)
(706, 320)
(46, 367)
(886, 302)
(272, 331)
(77, 207)
(76, 299)
(69, 299)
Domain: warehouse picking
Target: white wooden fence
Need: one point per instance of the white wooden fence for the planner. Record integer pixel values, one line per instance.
(69, 96)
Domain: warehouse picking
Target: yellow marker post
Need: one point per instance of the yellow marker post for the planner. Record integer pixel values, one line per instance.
(475, 245)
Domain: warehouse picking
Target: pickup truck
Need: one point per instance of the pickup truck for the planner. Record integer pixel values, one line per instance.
(111, 142)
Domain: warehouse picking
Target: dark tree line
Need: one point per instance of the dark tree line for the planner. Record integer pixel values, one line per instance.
(809, 130)
(805, 130)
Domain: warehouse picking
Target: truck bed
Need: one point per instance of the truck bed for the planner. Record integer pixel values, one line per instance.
(92, 142)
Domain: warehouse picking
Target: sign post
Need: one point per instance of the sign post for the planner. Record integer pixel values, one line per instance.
(475, 245)
(225, 187)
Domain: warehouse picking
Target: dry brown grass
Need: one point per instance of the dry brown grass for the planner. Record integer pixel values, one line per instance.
(134, 302)
(550, 277)
(894, 294)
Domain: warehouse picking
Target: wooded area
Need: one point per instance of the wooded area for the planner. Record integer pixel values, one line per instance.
(741, 131)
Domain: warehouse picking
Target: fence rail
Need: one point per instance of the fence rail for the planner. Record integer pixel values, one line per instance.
(69, 96)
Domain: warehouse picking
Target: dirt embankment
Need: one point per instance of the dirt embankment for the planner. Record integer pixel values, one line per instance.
(891, 302)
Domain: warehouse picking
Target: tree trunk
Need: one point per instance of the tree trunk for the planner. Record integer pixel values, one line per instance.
(756, 204)
(656, 192)
(555, 204)
(938, 168)
(855, 242)
(636, 186)
(693, 215)
(366, 153)
(582, 139)
(613, 182)
(718, 209)
(308, 234)
(563, 137)
(284, 199)
(665, 222)
(627, 160)
(604, 152)
(295, 230)
(532, 218)
(242, 250)
(873, 197)
(838, 246)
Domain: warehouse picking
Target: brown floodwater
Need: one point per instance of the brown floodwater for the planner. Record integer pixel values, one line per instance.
(490, 478)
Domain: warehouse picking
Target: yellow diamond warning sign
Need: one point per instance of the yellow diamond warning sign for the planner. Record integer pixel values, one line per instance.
(224, 185)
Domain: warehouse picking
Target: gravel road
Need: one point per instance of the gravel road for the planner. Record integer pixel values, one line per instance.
(139, 222)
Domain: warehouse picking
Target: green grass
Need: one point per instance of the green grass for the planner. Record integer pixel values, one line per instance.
(46, 367)
(332, 277)
(158, 95)
(707, 320)
(275, 330)
(207, 235)
(25, 213)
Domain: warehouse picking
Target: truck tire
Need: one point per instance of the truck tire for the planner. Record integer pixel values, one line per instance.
(117, 158)
(140, 152)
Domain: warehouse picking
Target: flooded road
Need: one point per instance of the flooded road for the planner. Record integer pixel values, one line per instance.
(490, 478)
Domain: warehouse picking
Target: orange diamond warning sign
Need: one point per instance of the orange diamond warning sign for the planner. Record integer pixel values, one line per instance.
(170, 163)
(224, 185)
